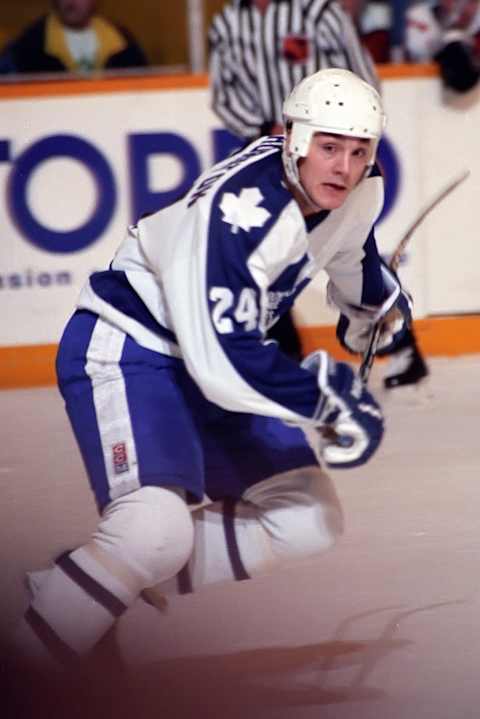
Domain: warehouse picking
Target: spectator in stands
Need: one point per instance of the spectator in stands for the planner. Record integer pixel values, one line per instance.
(373, 21)
(397, 30)
(72, 37)
(447, 32)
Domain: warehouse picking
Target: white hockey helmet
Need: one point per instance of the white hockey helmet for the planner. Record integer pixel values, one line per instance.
(334, 101)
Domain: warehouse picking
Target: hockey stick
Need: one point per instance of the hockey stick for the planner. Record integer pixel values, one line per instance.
(370, 352)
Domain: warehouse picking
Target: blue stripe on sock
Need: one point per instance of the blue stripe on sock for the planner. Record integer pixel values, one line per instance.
(95, 590)
(239, 570)
(184, 581)
(59, 650)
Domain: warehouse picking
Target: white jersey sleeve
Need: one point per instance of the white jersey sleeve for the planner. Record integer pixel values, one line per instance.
(355, 269)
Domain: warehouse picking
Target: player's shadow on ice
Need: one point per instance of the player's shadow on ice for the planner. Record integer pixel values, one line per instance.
(254, 682)
(245, 683)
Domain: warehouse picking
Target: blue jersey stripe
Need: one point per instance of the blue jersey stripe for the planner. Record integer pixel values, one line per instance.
(373, 288)
(262, 366)
(113, 287)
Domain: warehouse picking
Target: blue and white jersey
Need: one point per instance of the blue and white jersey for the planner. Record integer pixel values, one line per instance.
(205, 278)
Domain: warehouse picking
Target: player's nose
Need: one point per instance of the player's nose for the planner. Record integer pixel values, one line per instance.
(343, 163)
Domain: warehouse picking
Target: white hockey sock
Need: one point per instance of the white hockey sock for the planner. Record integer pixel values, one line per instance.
(280, 521)
(230, 544)
(74, 604)
(34, 580)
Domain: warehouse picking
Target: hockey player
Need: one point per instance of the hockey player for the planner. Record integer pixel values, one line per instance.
(258, 51)
(173, 392)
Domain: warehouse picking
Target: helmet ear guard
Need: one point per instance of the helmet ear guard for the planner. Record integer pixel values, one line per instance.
(300, 137)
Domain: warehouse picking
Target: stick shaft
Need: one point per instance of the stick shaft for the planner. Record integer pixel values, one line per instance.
(370, 352)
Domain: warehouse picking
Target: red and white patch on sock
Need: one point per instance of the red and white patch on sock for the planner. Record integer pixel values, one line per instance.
(120, 458)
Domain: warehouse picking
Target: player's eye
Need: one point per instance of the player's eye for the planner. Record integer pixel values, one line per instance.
(329, 147)
(360, 152)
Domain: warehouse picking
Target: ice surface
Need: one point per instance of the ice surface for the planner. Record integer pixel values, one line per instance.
(385, 626)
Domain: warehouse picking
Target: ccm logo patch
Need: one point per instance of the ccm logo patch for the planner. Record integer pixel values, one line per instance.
(120, 458)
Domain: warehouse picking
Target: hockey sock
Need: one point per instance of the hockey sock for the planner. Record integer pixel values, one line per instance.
(230, 544)
(74, 604)
(279, 521)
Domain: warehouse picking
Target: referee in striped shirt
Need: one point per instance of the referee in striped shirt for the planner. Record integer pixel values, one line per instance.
(260, 49)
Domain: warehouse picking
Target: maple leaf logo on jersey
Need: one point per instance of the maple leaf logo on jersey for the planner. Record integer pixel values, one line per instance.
(243, 211)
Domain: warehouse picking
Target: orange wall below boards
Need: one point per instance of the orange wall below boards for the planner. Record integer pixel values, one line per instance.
(34, 365)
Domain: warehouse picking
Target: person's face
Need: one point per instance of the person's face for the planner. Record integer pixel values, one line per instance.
(333, 167)
(75, 13)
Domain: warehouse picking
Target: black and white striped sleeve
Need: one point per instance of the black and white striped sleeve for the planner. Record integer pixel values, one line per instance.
(257, 58)
(336, 34)
(360, 60)
(233, 82)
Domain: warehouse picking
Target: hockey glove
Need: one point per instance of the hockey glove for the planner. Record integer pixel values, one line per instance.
(355, 323)
(348, 423)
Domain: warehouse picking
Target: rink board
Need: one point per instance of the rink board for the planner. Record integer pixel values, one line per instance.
(34, 365)
(122, 143)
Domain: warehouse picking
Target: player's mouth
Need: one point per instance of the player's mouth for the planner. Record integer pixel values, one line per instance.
(335, 187)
